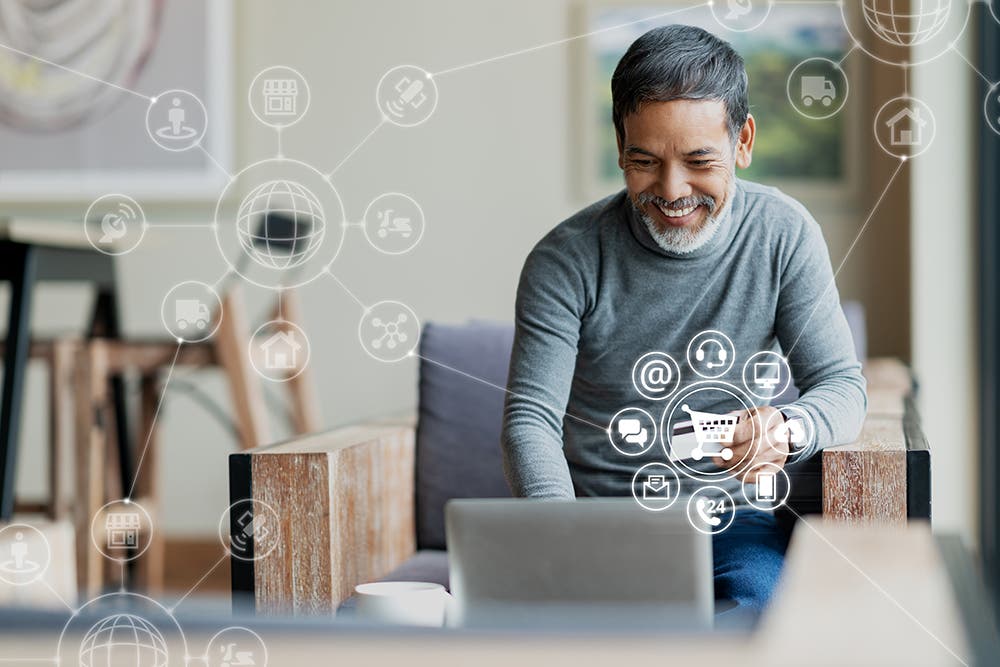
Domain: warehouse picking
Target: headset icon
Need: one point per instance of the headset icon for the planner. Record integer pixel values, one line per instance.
(723, 354)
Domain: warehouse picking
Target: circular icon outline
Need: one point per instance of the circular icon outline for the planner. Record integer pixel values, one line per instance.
(279, 276)
(79, 616)
(724, 474)
(223, 532)
(794, 453)
(43, 568)
(238, 628)
(722, 526)
(768, 505)
(195, 139)
(992, 93)
(298, 115)
(668, 469)
(718, 19)
(142, 528)
(140, 221)
(419, 236)
(859, 44)
(638, 381)
(726, 362)
(365, 317)
(396, 121)
(907, 100)
(216, 316)
(783, 368)
(646, 447)
(278, 326)
(843, 98)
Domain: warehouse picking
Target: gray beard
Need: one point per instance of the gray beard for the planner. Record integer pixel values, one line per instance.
(680, 240)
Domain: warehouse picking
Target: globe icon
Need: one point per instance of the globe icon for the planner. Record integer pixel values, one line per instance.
(280, 224)
(906, 25)
(123, 639)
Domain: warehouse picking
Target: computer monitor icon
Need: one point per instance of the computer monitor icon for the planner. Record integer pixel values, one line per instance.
(766, 374)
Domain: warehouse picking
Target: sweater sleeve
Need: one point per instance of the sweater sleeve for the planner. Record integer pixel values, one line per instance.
(813, 333)
(548, 312)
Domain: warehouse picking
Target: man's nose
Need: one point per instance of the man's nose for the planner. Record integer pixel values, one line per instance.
(673, 183)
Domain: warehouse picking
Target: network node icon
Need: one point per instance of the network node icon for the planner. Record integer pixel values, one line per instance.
(711, 510)
(394, 223)
(817, 88)
(389, 331)
(279, 96)
(249, 529)
(904, 127)
(406, 95)
(176, 120)
(279, 350)
(114, 224)
(991, 108)
(740, 15)
(280, 224)
(632, 431)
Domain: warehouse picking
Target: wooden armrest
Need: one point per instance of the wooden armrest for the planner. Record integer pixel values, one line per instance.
(884, 475)
(344, 500)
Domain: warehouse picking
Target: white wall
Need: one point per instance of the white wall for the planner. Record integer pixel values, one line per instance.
(943, 198)
(491, 169)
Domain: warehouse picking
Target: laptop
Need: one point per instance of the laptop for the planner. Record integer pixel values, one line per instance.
(573, 563)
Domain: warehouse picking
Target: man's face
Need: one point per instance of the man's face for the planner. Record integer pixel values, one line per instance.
(679, 162)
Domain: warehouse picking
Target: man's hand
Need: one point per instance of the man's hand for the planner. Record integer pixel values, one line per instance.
(752, 446)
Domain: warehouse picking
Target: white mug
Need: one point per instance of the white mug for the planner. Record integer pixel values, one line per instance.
(403, 603)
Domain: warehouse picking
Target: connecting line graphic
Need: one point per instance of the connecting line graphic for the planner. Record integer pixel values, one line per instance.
(874, 583)
(198, 583)
(345, 288)
(854, 243)
(180, 225)
(382, 121)
(77, 72)
(152, 423)
(975, 69)
(218, 164)
(854, 47)
(72, 609)
(557, 42)
(281, 152)
(603, 429)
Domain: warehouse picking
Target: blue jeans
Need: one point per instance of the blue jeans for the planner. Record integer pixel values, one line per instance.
(747, 559)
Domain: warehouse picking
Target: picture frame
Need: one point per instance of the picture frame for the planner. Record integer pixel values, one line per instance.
(67, 164)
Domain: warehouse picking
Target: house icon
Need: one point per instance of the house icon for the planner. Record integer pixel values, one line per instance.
(906, 127)
(281, 351)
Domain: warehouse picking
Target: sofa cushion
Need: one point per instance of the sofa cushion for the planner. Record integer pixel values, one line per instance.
(458, 430)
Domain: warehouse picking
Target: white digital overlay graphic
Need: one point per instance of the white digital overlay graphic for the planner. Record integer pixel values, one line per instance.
(711, 354)
(406, 95)
(279, 96)
(711, 510)
(632, 431)
(279, 350)
(656, 486)
(176, 120)
(389, 331)
(656, 376)
(249, 529)
(191, 311)
(122, 530)
(114, 224)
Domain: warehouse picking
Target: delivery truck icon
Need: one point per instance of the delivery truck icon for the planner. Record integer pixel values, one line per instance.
(817, 88)
(191, 313)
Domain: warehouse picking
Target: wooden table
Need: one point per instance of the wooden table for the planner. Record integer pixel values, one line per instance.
(33, 251)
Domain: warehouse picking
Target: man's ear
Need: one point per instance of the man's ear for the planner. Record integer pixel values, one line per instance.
(744, 143)
(621, 151)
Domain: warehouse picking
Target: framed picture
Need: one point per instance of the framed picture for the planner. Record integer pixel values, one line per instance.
(75, 86)
(808, 158)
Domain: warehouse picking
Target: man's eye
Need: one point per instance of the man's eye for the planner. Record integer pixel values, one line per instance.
(699, 163)
(642, 163)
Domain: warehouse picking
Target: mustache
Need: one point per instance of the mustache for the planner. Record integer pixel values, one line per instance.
(677, 204)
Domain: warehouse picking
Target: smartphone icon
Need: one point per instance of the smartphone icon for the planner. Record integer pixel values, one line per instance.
(766, 486)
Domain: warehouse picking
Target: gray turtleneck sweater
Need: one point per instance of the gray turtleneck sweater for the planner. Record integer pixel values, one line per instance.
(598, 292)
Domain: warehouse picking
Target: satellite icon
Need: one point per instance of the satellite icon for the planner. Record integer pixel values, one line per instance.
(766, 374)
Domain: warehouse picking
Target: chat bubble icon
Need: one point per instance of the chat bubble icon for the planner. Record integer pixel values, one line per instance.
(632, 431)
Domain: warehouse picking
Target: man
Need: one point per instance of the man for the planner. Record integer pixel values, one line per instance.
(685, 248)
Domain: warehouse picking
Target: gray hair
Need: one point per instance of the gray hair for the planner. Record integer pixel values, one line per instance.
(680, 62)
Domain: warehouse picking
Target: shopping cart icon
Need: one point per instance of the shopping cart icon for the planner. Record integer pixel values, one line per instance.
(712, 429)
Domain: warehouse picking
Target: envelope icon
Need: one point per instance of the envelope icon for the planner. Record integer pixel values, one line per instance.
(656, 487)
